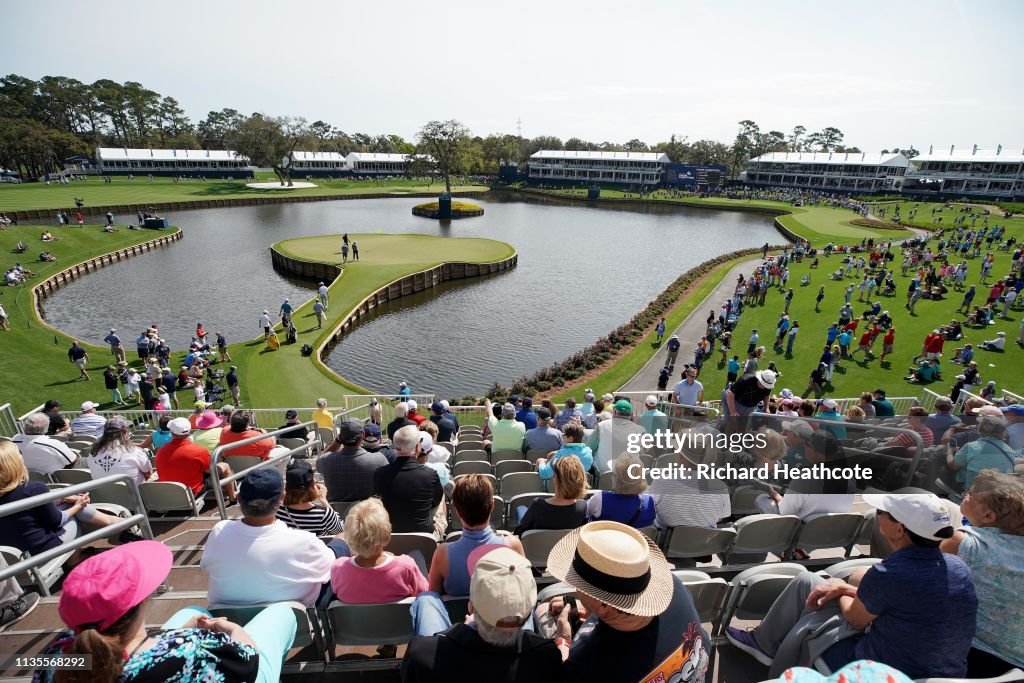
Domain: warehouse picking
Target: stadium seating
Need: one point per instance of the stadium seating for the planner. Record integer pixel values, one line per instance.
(161, 497)
(516, 483)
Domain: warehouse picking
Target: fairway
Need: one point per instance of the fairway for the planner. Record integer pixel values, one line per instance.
(120, 191)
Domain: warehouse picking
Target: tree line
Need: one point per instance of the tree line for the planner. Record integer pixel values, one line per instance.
(44, 122)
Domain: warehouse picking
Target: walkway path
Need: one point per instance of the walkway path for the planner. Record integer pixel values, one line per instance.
(689, 331)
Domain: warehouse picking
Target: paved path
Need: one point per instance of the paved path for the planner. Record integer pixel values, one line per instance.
(690, 331)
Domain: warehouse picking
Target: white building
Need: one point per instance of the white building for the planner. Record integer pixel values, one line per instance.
(634, 168)
(969, 173)
(377, 163)
(828, 171)
(318, 164)
(172, 162)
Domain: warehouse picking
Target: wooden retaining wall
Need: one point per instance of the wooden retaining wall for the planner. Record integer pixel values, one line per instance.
(132, 209)
(404, 286)
(47, 287)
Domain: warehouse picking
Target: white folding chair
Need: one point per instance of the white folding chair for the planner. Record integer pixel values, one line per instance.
(537, 544)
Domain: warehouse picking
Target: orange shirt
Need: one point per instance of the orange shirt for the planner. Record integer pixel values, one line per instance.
(261, 448)
(182, 461)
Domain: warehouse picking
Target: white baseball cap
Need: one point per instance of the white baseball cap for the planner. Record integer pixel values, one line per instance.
(89, 405)
(412, 405)
(923, 513)
(799, 427)
(179, 426)
(651, 401)
(502, 588)
(830, 403)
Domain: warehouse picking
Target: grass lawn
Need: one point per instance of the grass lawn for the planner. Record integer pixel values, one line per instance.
(95, 192)
(284, 377)
(34, 365)
(862, 374)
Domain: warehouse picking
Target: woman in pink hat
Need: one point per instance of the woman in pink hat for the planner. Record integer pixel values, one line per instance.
(104, 602)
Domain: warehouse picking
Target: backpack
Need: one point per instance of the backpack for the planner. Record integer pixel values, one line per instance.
(306, 350)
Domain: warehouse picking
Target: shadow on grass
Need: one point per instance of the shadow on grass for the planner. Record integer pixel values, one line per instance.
(58, 384)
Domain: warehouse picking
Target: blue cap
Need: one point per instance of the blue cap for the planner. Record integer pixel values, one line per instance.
(1015, 409)
(437, 407)
(262, 484)
(371, 432)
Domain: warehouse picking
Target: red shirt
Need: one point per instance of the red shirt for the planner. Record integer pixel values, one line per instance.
(866, 338)
(933, 344)
(852, 326)
(416, 417)
(182, 461)
(889, 338)
(261, 448)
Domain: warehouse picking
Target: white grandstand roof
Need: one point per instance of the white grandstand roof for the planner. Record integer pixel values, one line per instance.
(844, 158)
(615, 156)
(377, 156)
(129, 154)
(318, 156)
(982, 156)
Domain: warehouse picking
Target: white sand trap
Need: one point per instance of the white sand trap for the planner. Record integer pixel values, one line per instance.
(278, 186)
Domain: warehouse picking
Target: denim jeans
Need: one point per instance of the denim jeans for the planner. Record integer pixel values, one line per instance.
(429, 615)
(273, 631)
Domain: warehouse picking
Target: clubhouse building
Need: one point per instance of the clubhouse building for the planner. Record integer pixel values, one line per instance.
(324, 164)
(622, 168)
(211, 163)
(825, 171)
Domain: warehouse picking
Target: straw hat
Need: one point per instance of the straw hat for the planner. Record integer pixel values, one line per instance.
(615, 564)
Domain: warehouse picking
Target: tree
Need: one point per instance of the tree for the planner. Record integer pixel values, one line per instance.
(909, 153)
(446, 142)
(499, 148)
(796, 139)
(744, 144)
(270, 141)
(213, 131)
(707, 152)
(579, 145)
(542, 142)
(635, 145)
(676, 149)
(826, 140)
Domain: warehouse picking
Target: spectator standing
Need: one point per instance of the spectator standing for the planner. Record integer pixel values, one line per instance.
(507, 434)
(446, 428)
(116, 347)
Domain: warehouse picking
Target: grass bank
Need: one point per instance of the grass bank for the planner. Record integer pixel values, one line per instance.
(40, 196)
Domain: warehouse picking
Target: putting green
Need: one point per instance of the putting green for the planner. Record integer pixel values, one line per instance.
(286, 378)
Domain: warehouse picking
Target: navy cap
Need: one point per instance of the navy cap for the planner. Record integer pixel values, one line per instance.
(437, 407)
(350, 431)
(371, 432)
(299, 475)
(262, 484)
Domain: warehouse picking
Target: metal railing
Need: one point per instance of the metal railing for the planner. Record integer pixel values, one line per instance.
(215, 458)
(962, 398)
(33, 561)
(9, 425)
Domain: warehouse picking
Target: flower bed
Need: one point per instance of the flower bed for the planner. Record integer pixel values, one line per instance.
(459, 210)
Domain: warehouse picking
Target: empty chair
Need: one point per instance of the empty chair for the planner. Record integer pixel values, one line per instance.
(842, 570)
(471, 467)
(325, 435)
(403, 544)
(509, 466)
(755, 590)
(379, 624)
(518, 483)
(117, 493)
(830, 530)
(535, 454)
(470, 444)
(39, 476)
(606, 481)
(743, 501)
(161, 497)
(292, 443)
(758, 535)
(494, 480)
(306, 631)
(42, 577)
(342, 508)
(683, 542)
(87, 438)
(446, 445)
(537, 544)
(470, 454)
(72, 476)
(708, 595)
(499, 456)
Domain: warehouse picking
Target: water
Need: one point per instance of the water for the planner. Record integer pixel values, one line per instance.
(582, 271)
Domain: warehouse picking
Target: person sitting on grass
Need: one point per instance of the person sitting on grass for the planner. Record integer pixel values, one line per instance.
(997, 344)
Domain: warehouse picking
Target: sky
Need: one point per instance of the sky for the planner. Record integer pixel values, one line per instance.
(887, 73)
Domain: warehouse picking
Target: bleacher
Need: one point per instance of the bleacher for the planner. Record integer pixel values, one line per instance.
(751, 557)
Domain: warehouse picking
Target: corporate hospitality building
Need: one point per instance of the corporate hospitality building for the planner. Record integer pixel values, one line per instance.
(978, 174)
(624, 168)
(213, 163)
(825, 171)
(321, 164)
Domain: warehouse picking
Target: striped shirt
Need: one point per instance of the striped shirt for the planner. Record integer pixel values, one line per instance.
(316, 520)
(690, 502)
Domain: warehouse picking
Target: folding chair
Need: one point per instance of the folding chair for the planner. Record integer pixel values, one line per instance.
(537, 544)
(509, 466)
(606, 482)
(72, 476)
(829, 530)
(522, 500)
(685, 542)
(520, 482)
(536, 454)
(758, 535)
(842, 570)
(160, 497)
(42, 577)
(708, 594)
(403, 544)
(378, 624)
(470, 454)
(308, 629)
(471, 467)
(755, 590)
(499, 456)
(116, 493)
(743, 501)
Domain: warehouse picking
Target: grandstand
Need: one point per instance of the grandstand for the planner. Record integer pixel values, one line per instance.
(376, 163)
(207, 163)
(975, 174)
(733, 572)
(621, 168)
(318, 164)
(827, 171)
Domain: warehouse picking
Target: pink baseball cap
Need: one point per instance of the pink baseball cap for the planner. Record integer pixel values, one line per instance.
(102, 589)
